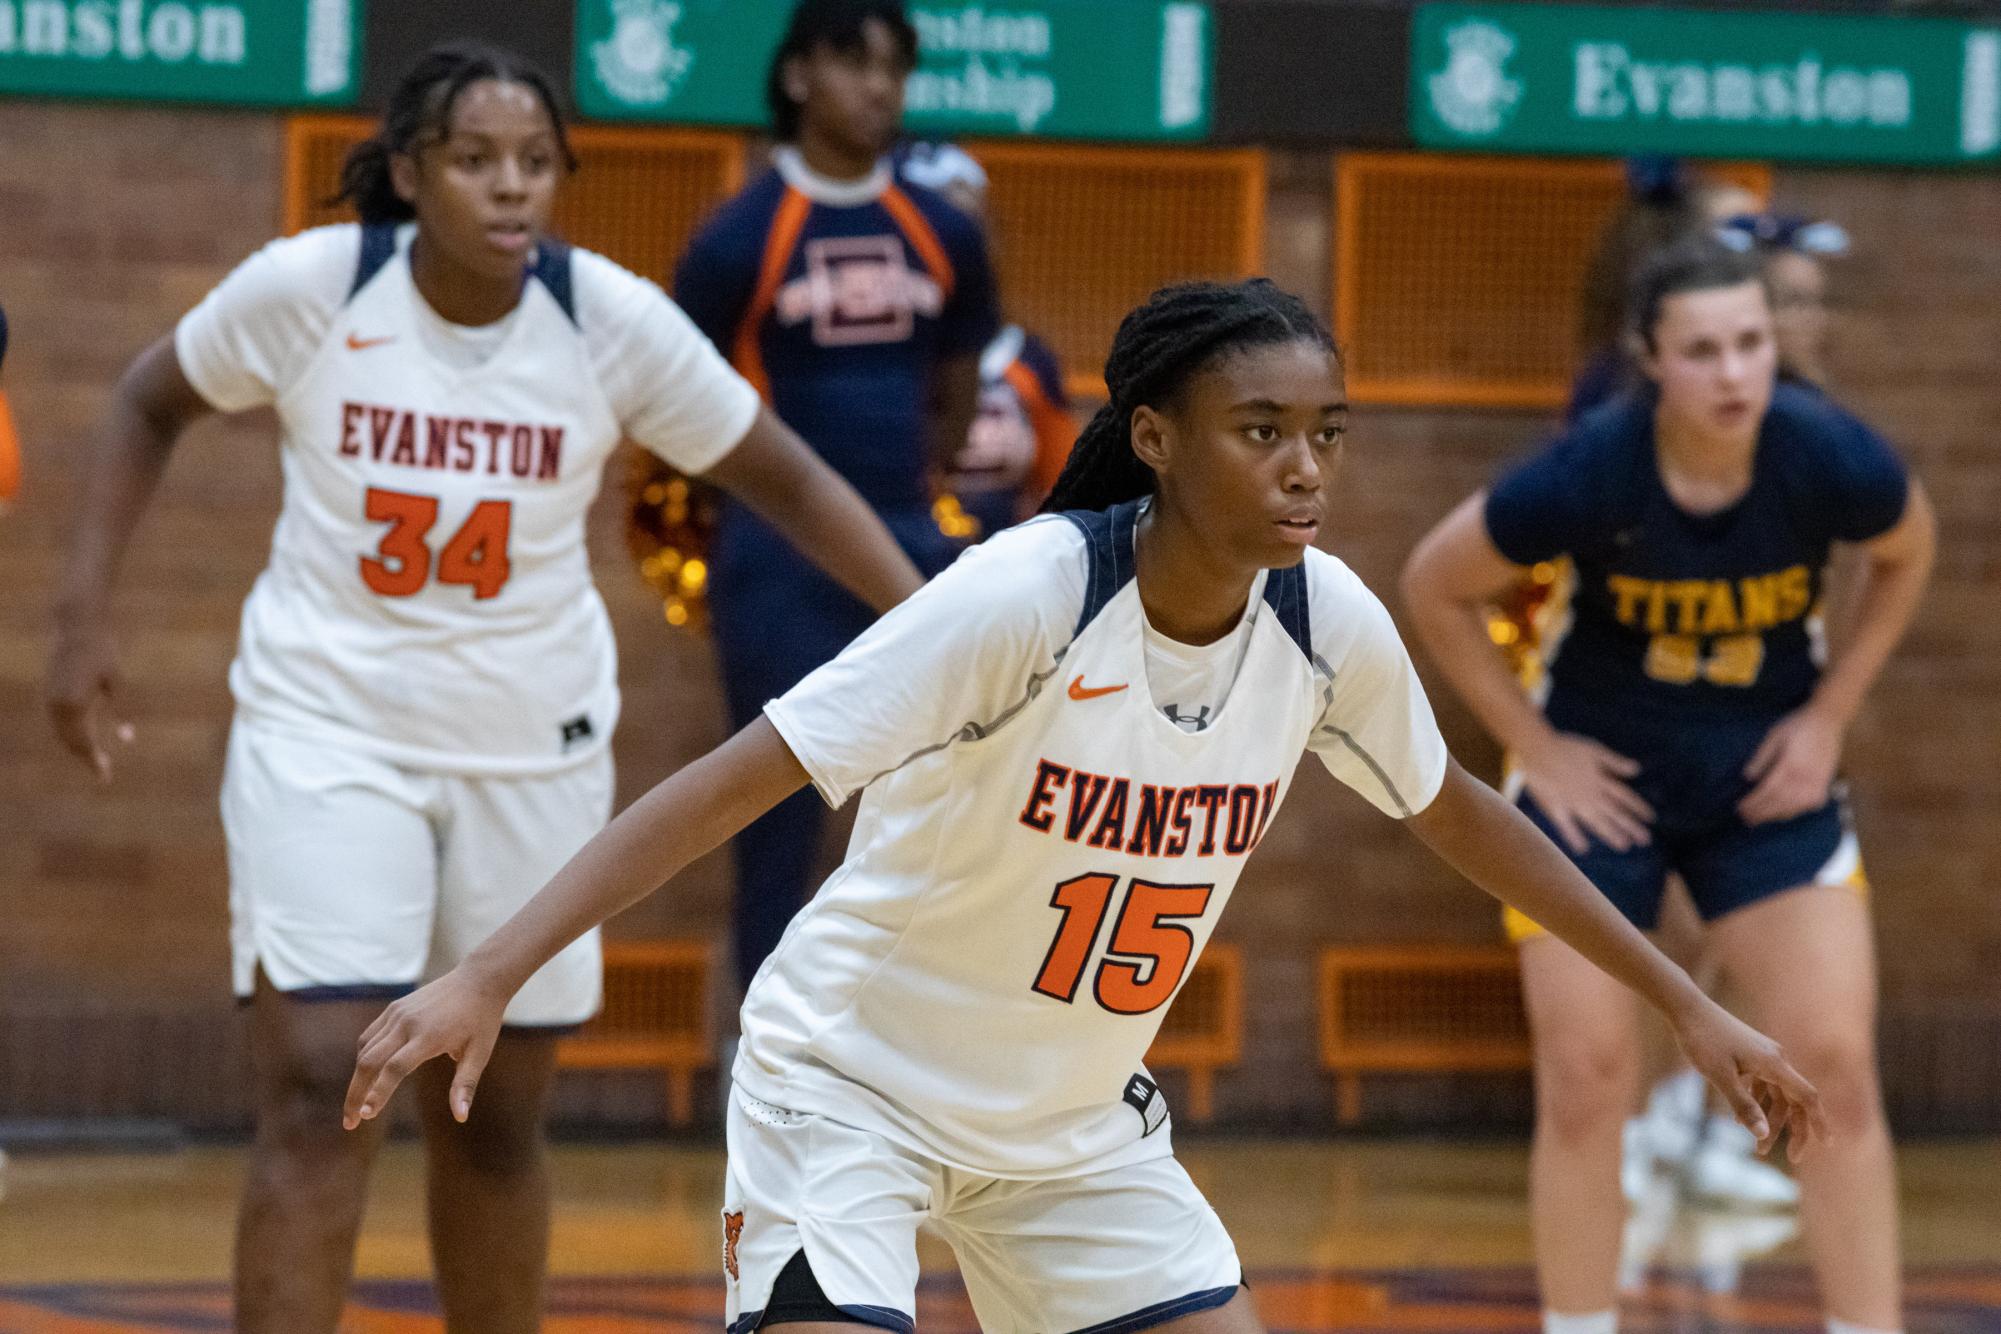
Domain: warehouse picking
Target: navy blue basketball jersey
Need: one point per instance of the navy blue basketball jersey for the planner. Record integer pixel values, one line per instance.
(836, 301)
(1672, 611)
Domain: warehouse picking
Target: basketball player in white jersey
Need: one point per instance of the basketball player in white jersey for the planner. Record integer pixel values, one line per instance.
(1068, 743)
(426, 682)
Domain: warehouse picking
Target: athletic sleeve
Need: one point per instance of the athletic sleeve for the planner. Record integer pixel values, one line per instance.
(1533, 511)
(253, 334)
(1376, 732)
(671, 390)
(1869, 483)
(951, 665)
(971, 316)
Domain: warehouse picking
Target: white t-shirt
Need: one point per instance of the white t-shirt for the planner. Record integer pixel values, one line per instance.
(428, 596)
(1040, 851)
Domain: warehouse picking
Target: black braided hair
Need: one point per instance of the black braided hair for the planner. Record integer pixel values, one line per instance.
(834, 23)
(1179, 332)
(420, 113)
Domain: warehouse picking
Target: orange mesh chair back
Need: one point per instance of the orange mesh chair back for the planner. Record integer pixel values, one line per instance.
(655, 1017)
(1084, 234)
(1458, 281)
(1418, 1009)
(637, 197)
(1204, 1028)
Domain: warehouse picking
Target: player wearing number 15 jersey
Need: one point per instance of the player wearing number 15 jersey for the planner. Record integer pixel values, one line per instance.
(1689, 727)
(1068, 743)
(425, 681)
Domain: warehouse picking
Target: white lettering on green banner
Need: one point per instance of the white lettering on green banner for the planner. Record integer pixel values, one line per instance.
(1558, 78)
(257, 52)
(1053, 68)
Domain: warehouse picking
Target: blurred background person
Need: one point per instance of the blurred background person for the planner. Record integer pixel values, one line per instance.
(1666, 200)
(1024, 430)
(859, 307)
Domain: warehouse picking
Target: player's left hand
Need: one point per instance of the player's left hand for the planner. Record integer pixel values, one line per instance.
(1793, 768)
(1765, 1093)
(455, 1016)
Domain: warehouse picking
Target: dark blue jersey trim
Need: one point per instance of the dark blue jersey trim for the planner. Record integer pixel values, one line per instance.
(1108, 542)
(880, 1317)
(1285, 594)
(378, 247)
(552, 269)
(353, 991)
(552, 266)
(1162, 1312)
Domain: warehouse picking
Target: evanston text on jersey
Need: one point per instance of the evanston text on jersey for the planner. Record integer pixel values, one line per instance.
(1161, 821)
(450, 444)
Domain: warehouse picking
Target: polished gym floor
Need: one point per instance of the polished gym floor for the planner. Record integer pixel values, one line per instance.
(1336, 1236)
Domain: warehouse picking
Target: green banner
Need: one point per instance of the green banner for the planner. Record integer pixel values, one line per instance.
(1068, 69)
(1564, 79)
(254, 52)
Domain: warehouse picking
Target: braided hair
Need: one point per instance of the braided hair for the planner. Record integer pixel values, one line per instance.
(1179, 332)
(420, 114)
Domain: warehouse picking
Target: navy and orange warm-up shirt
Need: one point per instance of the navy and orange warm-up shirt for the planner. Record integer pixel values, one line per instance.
(837, 300)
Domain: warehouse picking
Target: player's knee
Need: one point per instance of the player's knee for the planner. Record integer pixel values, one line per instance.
(305, 1083)
(1842, 1066)
(1585, 1086)
(501, 1138)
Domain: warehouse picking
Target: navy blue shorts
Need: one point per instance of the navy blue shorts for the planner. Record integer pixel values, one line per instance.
(1693, 777)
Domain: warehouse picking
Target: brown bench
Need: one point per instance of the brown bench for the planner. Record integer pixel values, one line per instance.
(1204, 1028)
(655, 1017)
(1418, 1009)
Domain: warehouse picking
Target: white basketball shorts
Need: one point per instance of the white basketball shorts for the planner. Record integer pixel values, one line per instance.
(1120, 1250)
(354, 878)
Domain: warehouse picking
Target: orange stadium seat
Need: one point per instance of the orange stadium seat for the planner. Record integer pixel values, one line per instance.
(655, 1017)
(1083, 234)
(1418, 1009)
(1458, 280)
(1204, 1028)
(638, 197)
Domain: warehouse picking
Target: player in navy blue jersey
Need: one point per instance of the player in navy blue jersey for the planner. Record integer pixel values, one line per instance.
(858, 305)
(1689, 725)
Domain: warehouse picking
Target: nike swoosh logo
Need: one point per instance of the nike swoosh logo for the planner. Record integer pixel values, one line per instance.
(355, 344)
(1078, 690)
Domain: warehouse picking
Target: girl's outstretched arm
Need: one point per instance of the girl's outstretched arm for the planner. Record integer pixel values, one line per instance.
(1484, 838)
(685, 816)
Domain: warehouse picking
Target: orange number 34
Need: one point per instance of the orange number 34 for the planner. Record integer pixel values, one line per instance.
(1149, 950)
(476, 555)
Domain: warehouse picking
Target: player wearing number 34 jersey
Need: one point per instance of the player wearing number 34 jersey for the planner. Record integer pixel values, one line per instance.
(1067, 745)
(425, 680)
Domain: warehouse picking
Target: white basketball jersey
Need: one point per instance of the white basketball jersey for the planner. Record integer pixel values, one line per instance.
(1044, 852)
(428, 596)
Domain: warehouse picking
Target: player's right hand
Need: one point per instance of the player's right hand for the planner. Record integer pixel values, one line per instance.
(83, 678)
(1581, 786)
(454, 1016)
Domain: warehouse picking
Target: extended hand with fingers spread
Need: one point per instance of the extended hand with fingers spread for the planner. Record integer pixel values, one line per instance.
(1765, 1093)
(454, 1016)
